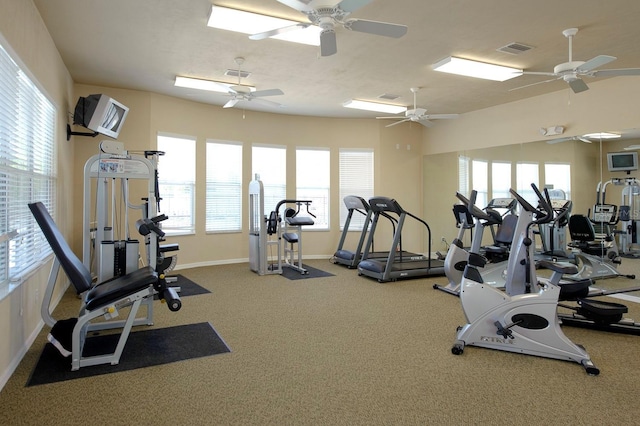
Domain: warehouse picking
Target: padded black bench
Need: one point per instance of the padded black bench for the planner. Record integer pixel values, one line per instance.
(99, 300)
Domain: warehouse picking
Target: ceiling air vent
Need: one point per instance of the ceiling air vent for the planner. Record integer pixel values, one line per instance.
(388, 97)
(514, 48)
(237, 73)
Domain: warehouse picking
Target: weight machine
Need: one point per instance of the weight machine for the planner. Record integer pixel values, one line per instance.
(287, 228)
(104, 252)
(628, 214)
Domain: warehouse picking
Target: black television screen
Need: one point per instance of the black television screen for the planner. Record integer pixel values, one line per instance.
(622, 161)
(101, 114)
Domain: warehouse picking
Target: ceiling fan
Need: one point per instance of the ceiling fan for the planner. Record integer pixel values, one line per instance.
(573, 71)
(327, 17)
(243, 93)
(567, 139)
(418, 115)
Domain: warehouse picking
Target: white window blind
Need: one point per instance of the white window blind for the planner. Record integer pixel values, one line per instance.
(270, 163)
(313, 168)
(463, 175)
(176, 179)
(224, 187)
(27, 169)
(356, 178)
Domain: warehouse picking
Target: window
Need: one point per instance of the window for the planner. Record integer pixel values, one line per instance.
(558, 176)
(356, 178)
(270, 163)
(313, 182)
(463, 175)
(27, 170)
(480, 181)
(500, 180)
(176, 178)
(224, 187)
(526, 174)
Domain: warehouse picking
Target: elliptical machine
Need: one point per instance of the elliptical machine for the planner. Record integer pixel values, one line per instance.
(527, 322)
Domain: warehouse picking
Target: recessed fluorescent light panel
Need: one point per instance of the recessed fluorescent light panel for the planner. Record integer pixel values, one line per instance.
(602, 135)
(210, 85)
(476, 69)
(375, 106)
(254, 23)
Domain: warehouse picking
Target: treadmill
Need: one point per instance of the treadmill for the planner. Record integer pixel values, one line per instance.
(344, 256)
(396, 265)
(352, 258)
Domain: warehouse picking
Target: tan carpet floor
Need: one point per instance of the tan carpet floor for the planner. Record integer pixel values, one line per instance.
(340, 350)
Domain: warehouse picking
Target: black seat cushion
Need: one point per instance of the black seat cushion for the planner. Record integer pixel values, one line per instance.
(117, 288)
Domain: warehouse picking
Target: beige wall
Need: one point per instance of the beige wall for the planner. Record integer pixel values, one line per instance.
(397, 154)
(24, 34)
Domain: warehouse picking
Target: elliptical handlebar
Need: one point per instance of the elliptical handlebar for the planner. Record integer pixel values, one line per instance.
(543, 215)
(473, 209)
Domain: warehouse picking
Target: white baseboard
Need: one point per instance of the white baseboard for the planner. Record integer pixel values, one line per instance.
(6, 375)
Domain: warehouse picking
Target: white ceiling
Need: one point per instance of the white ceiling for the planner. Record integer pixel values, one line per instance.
(144, 44)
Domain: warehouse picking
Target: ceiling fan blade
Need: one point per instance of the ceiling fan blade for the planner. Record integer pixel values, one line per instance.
(534, 84)
(302, 6)
(426, 122)
(632, 148)
(398, 122)
(559, 140)
(278, 31)
(231, 103)
(570, 138)
(351, 5)
(328, 43)
(378, 28)
(387, 118)
(266, 102)
(441, 116)
(578, 85)
(614, 73)
(596, 62)
(268, 92)
(551, 74)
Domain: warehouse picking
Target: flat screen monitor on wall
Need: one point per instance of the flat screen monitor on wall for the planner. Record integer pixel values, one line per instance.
(622, 161)
(101, 114)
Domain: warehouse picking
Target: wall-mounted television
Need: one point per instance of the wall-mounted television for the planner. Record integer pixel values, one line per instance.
(622, 161)
(101, 114)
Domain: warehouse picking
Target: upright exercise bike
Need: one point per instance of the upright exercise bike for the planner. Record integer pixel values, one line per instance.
(527, 322)
(469, 216)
